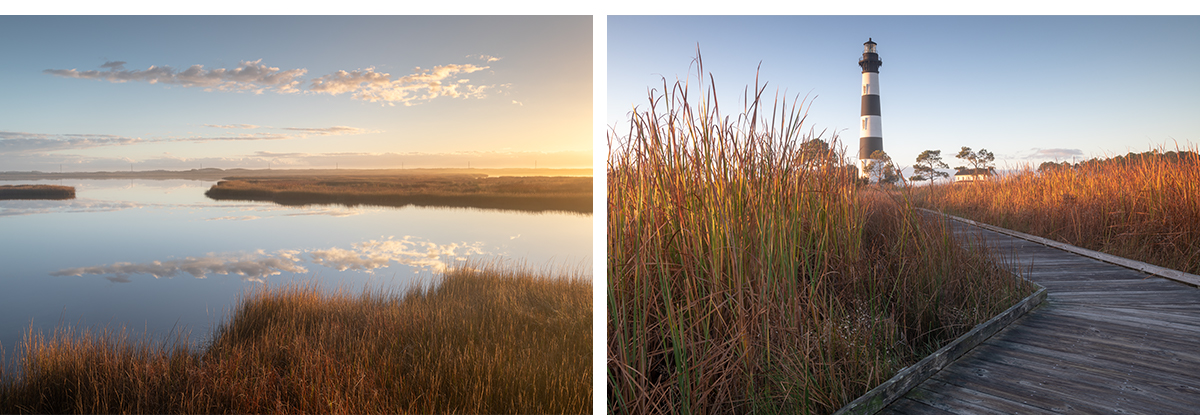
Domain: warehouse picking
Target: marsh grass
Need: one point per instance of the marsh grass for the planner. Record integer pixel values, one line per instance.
(746, 277)
(490, 339)
(454, 190)
(36, 191)
(1144, 208)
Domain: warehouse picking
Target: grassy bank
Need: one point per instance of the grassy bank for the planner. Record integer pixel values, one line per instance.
(495, 340)
(36, 191)
(572, 194)
(746, 275)
(1144, 207)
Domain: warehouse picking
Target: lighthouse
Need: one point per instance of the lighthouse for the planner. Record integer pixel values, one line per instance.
(870, 133)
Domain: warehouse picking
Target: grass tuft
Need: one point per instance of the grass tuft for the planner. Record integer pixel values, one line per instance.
(745, 275)
(486, 339)
(1144, 207)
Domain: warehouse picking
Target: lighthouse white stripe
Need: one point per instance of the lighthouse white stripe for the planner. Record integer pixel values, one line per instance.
(870, 83)
(871, 126)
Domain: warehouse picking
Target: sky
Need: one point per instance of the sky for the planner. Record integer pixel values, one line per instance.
(1027, 88)
(104, 93)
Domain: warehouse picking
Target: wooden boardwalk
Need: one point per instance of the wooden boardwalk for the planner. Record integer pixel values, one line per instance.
(1107, 339)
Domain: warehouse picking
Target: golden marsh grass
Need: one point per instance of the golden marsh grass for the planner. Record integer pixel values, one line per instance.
(490, 340)
(746, 276)
(1144, 207)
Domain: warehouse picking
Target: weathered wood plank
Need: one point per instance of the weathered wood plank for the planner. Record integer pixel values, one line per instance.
(911, 376)
(1053, 390)
(1108, 338)
(1118, 299)
(1177, 275)
(1110, 333)
(957, 399)
(908, 406)
(1144, 374)
(1110, 285)
(1025, 388)
(1158, 323)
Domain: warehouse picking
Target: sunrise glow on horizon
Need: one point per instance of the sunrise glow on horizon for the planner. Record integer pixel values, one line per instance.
(108, 93)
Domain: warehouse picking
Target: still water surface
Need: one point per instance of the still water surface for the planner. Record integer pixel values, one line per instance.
(157, 255)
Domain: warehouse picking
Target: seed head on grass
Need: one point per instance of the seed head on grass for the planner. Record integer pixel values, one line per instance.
(746, 275)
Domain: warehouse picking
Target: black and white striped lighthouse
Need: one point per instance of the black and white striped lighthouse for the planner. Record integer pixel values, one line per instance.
(870, 136)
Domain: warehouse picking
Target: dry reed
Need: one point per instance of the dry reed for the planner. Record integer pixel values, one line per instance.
(745, 276)
(490, 340)
(1143, 207)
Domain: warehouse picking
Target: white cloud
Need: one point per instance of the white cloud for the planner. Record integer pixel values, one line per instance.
(251, 266)
(257, 266)
(12, 142)
(420, 86)
(488, 58)
(518, 103)
(34, 207)
(247, 76)
(365, 84)
(337, 130)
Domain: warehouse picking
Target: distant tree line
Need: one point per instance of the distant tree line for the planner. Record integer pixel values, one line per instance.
(1131, 158)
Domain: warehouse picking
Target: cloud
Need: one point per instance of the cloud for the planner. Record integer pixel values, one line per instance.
(251, 266)
(338, 130)
(12, 142)
(1055, 153)
(488, 58)
(364, 84)
(34, 207)
(342, 259)
(247, 76)
(240, 137)
(18, 142)
(257, 266)
(408, 250)
(114, 65)
(421, 86)
(241, 126)
(518, 103)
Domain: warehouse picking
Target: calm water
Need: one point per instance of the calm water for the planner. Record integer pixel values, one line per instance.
(156, 255)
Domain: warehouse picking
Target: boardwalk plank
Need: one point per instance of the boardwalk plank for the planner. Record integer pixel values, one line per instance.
(1124, 378)
(909, 406)
(1108, 339)
(957, 399)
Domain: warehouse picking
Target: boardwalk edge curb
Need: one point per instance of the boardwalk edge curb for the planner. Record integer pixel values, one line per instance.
(1171, 274)
(909, 377)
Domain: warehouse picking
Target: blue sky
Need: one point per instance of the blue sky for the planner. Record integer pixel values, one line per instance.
(1027, 88)
(179, 92)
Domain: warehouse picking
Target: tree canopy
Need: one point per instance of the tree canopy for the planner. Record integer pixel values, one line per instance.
(981, 160)
(927, 164)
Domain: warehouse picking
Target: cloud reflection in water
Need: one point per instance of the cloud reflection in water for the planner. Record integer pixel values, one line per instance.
(257, 266)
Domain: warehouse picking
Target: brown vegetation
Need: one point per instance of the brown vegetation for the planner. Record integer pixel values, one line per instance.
(495, 340)
(572, 194)
(1141, 206)
(745, 275)
(36, 191)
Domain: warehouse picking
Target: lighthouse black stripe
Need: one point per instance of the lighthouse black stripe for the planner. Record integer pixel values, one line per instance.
(868, 145)
(870, 105)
